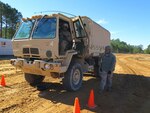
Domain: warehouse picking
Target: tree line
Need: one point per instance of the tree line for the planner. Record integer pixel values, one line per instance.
(9, 17)
(122, 47)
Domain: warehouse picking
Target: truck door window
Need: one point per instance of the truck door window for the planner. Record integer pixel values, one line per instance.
(79, 31)
(65, 39)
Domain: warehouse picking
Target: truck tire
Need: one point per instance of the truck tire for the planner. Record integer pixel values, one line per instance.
(32, 79)
(72, 80)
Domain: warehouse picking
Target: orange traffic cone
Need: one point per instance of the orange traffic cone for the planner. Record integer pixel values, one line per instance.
(76, 106)
(3, 83)
(91, 103)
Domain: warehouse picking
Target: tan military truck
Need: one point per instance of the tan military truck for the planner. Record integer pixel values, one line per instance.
(38, 44)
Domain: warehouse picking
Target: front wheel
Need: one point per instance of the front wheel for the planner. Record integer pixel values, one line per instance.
(73, 77)
(32, 79)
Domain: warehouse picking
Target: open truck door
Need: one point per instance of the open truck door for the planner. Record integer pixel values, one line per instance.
(80, 34)
(80, 31)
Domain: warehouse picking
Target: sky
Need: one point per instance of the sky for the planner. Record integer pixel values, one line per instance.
(128, 20)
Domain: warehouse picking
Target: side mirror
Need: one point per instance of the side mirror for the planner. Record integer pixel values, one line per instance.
(17, 25)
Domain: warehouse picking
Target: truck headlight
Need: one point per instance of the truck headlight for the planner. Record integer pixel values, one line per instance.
(47, 66)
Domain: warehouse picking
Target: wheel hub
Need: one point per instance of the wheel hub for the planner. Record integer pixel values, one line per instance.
(76, 76)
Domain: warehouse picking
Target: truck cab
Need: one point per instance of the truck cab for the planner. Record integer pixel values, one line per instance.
(39, 36)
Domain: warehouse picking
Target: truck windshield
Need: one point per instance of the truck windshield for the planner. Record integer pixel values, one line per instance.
(24, 30)
(45, 28)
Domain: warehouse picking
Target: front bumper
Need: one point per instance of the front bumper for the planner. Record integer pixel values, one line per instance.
(38, 67)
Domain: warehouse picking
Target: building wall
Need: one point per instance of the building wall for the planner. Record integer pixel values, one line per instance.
(5, 47)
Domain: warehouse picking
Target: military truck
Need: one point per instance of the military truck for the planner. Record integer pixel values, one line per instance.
(37, 45)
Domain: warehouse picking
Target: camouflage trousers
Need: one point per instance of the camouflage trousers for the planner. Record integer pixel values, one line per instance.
(63, 45)
(106, 80)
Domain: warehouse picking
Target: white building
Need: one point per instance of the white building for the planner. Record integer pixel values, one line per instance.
(5, 47)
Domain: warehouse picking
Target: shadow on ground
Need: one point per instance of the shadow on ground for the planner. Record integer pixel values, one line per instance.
(130, 93)
(6, 57)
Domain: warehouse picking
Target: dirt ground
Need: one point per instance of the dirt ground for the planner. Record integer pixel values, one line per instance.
(131, 90)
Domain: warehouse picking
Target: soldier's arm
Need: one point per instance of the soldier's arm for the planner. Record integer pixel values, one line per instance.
(113, 63)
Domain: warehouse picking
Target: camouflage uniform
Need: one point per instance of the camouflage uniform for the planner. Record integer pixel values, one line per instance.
(107, 67)
(65, 40)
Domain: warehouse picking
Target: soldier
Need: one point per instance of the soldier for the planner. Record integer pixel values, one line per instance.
(65, 39)
(108, 62)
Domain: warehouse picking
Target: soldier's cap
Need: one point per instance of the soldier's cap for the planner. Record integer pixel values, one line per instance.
(108, 47)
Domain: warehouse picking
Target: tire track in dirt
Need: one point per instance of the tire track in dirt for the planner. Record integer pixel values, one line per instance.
(17, 91)
(20, 96)
(141, 67)
(24, 91)
(127, 69)
(129, 61)
(8, 70)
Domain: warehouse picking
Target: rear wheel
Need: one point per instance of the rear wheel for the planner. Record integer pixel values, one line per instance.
(73, 77)
(32, 79)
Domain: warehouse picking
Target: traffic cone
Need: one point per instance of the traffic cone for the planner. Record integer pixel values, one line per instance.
(76, 106)
(91, 103)
(3, 83)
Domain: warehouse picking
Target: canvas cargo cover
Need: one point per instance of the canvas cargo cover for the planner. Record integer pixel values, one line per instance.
(98, 36)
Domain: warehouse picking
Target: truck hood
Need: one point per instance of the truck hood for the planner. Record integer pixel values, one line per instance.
(39, 48)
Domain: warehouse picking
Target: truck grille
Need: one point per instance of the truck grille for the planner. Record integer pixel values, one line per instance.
(25, 50)
(31, 51)
(34, 50)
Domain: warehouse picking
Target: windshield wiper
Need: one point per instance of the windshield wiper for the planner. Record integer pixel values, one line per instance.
(36, 26)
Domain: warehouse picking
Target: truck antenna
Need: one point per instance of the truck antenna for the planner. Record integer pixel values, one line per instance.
(55, 12)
